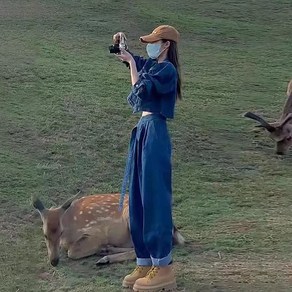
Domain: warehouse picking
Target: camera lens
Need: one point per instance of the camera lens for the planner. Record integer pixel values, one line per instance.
(114, 49)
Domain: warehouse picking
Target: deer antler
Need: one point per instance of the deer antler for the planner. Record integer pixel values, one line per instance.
(263, 123)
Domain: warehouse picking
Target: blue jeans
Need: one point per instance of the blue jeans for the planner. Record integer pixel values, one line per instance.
(150, 191)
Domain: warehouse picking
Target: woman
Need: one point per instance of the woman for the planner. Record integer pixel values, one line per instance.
(156, 86)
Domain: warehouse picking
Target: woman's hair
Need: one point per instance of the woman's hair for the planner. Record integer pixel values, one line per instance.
(172, 56)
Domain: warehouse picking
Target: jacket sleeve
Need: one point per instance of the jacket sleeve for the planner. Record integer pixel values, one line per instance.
(140, 61)
(161, 79)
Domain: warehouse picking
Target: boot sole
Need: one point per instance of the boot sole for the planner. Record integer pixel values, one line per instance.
(127, 289)
(169, 287)
(127, 285)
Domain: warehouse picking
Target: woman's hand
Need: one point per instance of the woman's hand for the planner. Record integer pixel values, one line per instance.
(125, 56)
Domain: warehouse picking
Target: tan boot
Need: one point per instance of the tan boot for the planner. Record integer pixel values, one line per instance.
(139, 272)
(157, 279)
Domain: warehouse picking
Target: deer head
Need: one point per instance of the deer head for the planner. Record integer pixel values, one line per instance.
(52, 228)
(280, 132)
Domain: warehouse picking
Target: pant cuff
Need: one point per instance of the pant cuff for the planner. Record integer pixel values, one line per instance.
(163, 261)
(144, 262)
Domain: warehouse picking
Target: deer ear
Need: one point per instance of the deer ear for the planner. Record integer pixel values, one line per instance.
(289, 89)
(68, 203)
(38, 205)
(262, 122)
(287, 119)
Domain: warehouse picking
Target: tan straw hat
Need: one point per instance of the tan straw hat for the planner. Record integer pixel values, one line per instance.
(162, 32)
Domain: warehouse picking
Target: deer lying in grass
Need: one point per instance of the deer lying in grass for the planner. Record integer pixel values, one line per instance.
(280, 131)
(90, 225)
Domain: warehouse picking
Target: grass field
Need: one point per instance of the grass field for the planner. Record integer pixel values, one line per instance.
(65, 125)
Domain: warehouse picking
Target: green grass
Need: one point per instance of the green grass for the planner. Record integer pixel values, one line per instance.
(65, 125)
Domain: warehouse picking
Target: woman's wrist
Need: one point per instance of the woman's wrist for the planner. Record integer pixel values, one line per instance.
(132, 62)
(134, 73)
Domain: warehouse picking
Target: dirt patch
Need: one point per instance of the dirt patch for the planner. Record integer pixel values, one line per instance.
(240, 227)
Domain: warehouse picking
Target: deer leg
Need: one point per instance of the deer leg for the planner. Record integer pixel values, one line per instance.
(112, 250)
(118, 257)
(82, 248)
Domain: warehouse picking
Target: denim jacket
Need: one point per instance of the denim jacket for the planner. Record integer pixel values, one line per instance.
(156, 89)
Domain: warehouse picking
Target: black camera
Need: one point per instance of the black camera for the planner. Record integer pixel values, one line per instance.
(114, 49)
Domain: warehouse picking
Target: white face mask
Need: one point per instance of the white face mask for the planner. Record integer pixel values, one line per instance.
(153, 50)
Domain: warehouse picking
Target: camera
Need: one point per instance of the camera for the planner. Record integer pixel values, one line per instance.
(119, 43)
(114, 49)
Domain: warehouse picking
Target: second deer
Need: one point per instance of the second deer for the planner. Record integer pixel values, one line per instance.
(280, 131)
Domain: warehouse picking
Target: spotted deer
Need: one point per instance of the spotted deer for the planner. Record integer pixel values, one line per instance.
(90, 225)
(280, 131)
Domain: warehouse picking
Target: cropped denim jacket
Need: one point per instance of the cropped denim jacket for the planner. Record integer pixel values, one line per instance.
(156, 89)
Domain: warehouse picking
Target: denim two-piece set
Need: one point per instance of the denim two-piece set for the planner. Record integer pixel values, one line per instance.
(148, 168)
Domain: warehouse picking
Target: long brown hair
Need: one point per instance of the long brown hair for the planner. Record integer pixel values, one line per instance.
(172, 56)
